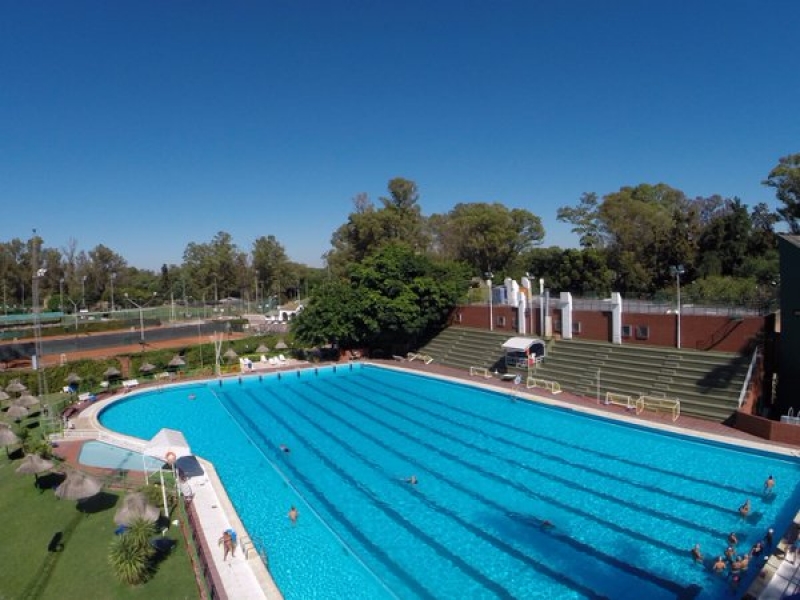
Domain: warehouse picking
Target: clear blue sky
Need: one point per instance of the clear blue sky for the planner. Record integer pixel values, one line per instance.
(146, 125)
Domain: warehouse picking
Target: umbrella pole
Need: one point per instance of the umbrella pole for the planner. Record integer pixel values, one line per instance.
(164, 492)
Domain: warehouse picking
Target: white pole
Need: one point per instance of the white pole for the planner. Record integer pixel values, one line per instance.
(541, 307)
(163, 492)
(678, 280)
(491, 318)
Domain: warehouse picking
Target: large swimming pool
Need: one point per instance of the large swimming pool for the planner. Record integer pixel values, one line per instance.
(626, 504)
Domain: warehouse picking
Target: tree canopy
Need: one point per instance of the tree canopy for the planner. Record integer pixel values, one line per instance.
(395, 296)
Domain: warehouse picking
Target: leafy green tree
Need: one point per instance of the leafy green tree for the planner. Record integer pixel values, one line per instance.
(585, 219)
(216, 266)
(272, 266)
(785, 178)
(487, 237)
(393, 298)
(368, 229)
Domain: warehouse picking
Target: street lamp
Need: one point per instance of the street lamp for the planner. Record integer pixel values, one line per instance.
(113, 277)
(61, 295)
(677, 271)
(541, 306)
(141, 316)
(489, 276)
(83, 291)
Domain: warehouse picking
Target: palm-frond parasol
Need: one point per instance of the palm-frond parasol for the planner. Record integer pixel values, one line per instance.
(147, 368)
(135, 506)
(111, 372)
(281, 345)
(4, 396)
(230, 354)
(262, 348)
(27, 400)
(7, 437)
(35, 464)
(17, 411)
(73, 378)
(176, 361)
(16, 387)
(78, 486)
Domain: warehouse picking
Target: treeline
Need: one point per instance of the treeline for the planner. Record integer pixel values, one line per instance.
(633, 240)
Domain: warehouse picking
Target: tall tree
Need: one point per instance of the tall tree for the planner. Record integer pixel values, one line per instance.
(394, 297)
(585, 219)
(368, 228)
(488, 237)
(272, 267)
(785, 178)
(216, 266)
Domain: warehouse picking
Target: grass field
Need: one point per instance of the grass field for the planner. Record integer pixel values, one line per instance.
(34, 567)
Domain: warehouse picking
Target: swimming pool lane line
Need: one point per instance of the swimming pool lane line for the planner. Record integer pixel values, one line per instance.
(268, 443)
(321, 498)
(637, 507)
(557, 441)
(505, 548)
(539, 450)
(525, 433)
(379, 504)
(613, 561)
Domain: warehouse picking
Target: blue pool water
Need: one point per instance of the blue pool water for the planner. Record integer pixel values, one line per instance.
(99, 454)
(627, 503)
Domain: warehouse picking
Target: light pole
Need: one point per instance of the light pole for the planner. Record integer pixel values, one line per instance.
(541, 306)
(677, 271)
(141, 317)
(113, 277)
(83, 291)
(489, 276)
(61, 295)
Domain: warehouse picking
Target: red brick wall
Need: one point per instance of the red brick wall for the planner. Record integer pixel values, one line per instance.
(769, 430)
(697, 331)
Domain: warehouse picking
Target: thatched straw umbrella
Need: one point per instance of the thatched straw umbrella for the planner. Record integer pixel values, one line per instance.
(262, 349)
(17, 411)
(135, 506)
(16, 387)
(147, 368)
(33, 463)
(111, 373)
(230, 355)
(27, 400)
(78, 486)
(73, 379)
(281, 345)
(176, 361)
(7, 437)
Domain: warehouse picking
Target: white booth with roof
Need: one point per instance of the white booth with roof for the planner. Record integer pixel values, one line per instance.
(523, 352)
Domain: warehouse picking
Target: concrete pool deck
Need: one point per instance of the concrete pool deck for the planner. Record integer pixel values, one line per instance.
(249, 577)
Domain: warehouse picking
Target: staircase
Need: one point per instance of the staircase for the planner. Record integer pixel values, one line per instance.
(708, 384)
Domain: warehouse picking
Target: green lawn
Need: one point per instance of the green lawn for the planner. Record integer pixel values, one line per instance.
(29, 520)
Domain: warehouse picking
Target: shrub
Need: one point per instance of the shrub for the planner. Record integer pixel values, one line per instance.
(131, 554)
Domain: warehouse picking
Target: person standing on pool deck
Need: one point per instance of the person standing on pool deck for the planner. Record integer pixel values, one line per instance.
(293, 514)
(227, 543)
